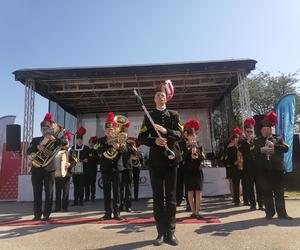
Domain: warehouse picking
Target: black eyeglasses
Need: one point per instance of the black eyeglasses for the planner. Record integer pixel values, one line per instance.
(249, 131)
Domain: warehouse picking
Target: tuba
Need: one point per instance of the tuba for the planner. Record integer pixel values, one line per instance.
(119, 136)
(43, 157)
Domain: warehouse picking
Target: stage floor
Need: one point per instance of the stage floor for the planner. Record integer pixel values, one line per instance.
(236, 228)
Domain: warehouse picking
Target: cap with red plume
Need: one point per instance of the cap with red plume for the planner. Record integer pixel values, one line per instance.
(269, 120)
(80, 132)
(110, 122)
(68, 135)
(166, 87)
(93, 139)
(191, 126)
(249, 123)
(48, 117)
(238, 131)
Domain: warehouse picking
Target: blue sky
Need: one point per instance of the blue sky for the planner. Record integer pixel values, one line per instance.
(57, 33)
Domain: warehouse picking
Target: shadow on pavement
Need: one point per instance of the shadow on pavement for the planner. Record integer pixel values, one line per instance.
(225, 229)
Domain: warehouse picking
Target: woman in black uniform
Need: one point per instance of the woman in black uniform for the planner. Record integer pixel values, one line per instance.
(193, 156)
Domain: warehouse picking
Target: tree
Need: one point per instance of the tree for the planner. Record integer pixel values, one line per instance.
(265, 90)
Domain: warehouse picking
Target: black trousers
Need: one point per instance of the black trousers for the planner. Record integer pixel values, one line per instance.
(62, 188)
(126, 188)
(236, 181)
(163, 181)
(78, 181)
(251, 180)
(90, 185)
(136, 180)
(180, 186)
(273, 192)
(111, 180)
(39, 178)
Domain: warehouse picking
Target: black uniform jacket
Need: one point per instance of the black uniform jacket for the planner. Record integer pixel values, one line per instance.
(33, 149)
(83, 154)
(109, 158)
(275, 164)
(169, 119)
(247, 149)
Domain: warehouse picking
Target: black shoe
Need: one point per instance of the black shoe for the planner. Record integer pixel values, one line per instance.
(200, 217)
(193, 216)
(46, 218)
(129, 210)
(159, 240)
(136, 199)
(285, 217)
(236, 204)
(56, 210)
(269, 217)
(36, 218)
(252, 208)
(93, 199)
(74, 204)
(246, 204)
(106, 217)
(118, 217)
(261, 208)
(121, 208)
(81, 203)
(85, 200)
(171, 240)
(188, 209)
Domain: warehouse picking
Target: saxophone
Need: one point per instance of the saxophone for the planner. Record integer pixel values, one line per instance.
(43, 157)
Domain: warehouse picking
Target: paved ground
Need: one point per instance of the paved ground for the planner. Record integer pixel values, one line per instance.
(239, 229)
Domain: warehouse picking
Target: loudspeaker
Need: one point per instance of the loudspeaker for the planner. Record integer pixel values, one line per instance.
(13, 137)
(258, 119)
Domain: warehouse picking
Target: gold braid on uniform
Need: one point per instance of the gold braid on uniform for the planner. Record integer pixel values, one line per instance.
(110, 155)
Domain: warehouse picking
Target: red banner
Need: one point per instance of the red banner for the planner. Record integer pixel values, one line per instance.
(10, 169)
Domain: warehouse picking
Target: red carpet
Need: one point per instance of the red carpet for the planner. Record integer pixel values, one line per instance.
(80, 220)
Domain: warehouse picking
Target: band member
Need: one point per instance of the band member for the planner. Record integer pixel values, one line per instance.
(193, 156)
(90, 172)
(127, 150)
(62, 184)
(136, 163)
(180, 186)
(43, 176)
(250, 175)
(234, 164)
(270, 149)
(78, 159)
(163, 170)
(110, 167)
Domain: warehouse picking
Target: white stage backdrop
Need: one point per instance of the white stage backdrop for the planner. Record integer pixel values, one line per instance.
(215, 183)
(95, 124)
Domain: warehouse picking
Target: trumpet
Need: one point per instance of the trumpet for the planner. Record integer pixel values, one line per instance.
(193, 146)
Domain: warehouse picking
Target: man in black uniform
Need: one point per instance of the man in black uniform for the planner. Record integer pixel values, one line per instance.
(249, 173)
(43, 175)
(110, 167)
(269, 157)
(78, 160)
(91, 170)
(163, 171)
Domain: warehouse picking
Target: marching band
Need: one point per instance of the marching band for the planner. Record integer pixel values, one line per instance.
(254, 162)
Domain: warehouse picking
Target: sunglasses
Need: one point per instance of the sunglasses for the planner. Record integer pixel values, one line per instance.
(249, 131)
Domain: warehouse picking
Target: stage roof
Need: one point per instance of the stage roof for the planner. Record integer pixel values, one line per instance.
(103, 89)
